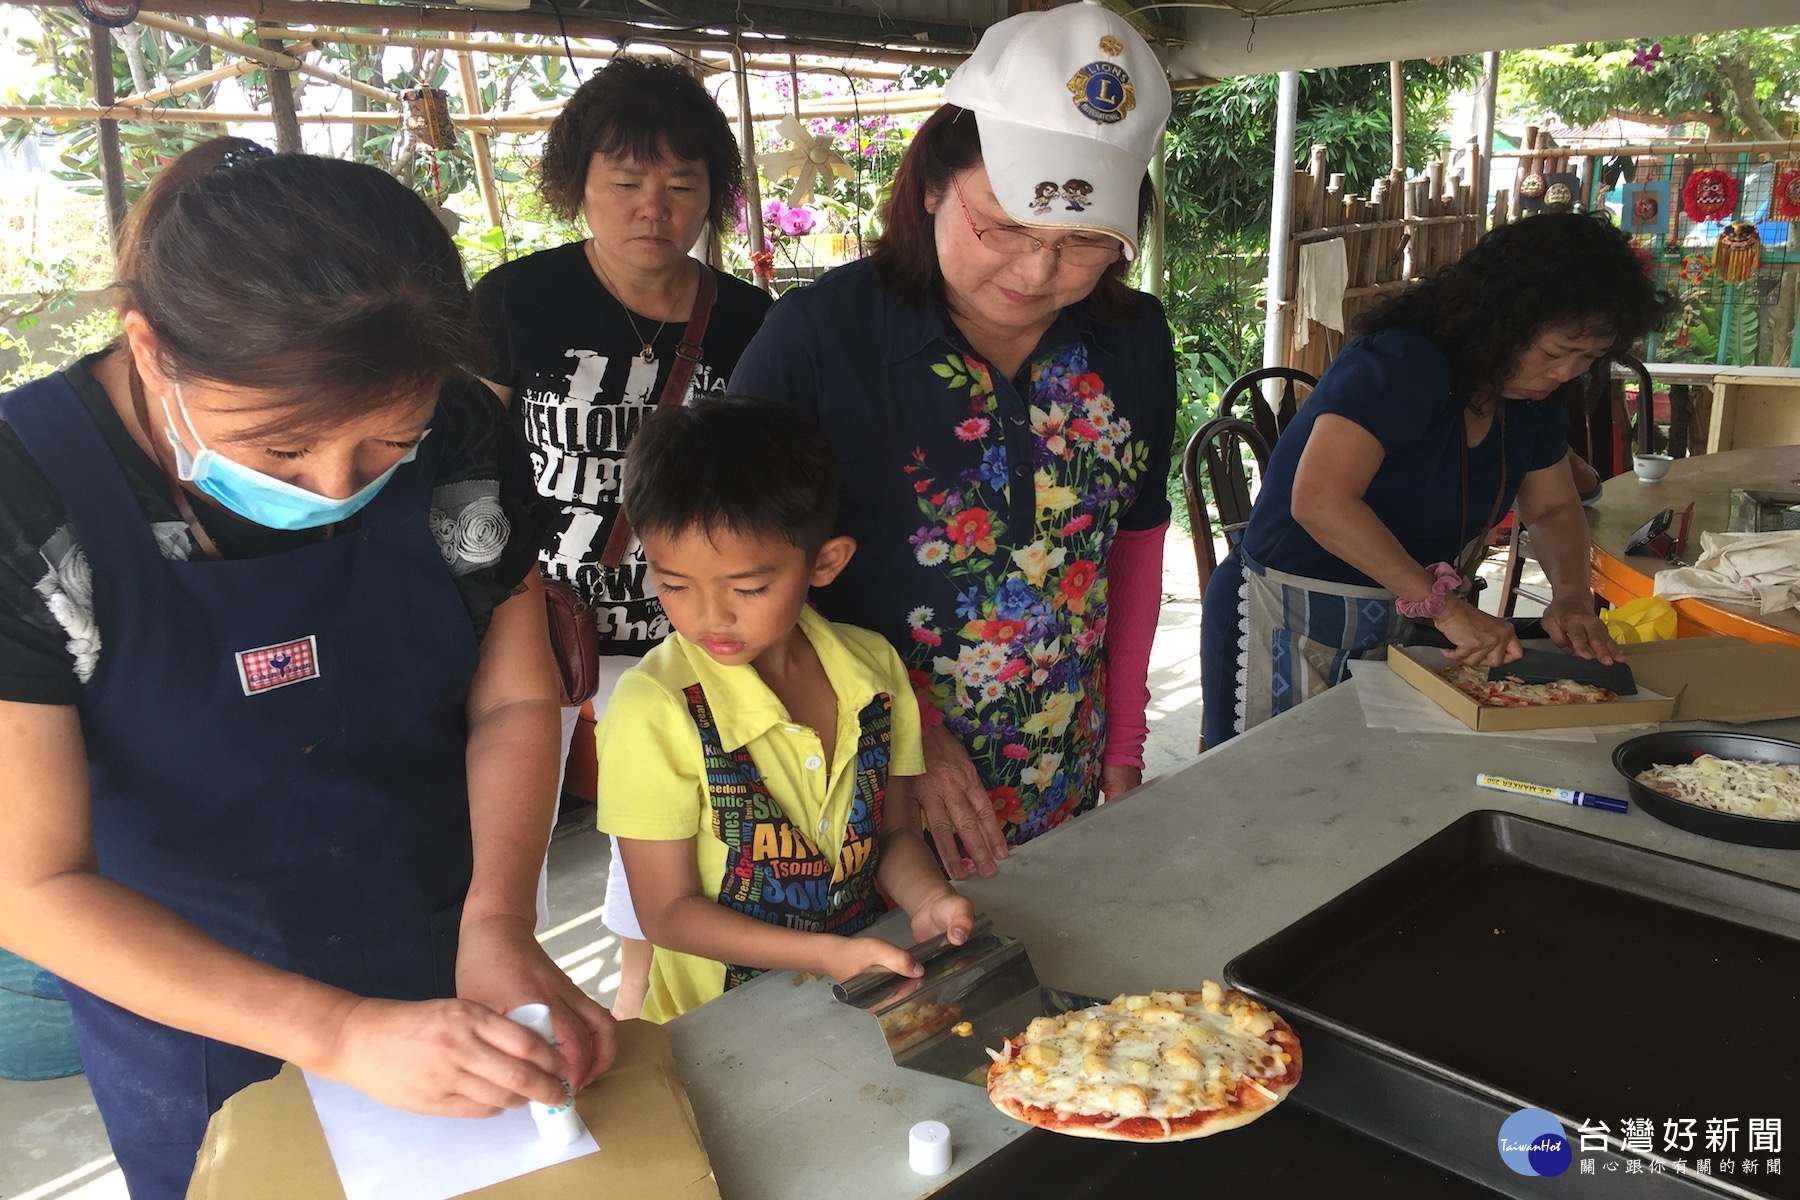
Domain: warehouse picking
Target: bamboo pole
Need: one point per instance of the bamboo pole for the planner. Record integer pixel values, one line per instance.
(112, 166)
(714, 58)
(423, 18)
(753, 214)
(512, 122)
(478, 142)
(270, 56)
(64, 114)
(192, 83)
(1562, 152)
(1397, 107)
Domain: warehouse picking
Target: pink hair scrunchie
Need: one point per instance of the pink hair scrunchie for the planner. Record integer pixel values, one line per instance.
(1445, 581)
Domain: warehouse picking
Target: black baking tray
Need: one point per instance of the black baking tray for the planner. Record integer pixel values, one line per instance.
(1676, 746)
(1292, 1152)
(1507, 963)
(1358, 1125)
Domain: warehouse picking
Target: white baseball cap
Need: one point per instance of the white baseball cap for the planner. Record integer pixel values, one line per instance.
(1071, 105)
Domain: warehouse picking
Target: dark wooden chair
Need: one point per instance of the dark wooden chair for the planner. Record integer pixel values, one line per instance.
(1215, 455)
(1248, 387)
(1646, 437)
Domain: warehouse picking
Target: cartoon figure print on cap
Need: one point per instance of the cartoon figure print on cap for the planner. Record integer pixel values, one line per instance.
(1075, 193)
(1044, 195)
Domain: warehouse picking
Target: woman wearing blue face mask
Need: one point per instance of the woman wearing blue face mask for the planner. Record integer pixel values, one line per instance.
(277, 716)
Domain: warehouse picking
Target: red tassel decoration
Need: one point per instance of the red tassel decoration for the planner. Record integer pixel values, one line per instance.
(1738, 253)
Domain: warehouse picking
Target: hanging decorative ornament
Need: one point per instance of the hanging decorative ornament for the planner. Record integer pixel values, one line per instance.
(114, 14)
(1709, 195)
(1561, 188)
(1784, 201)
(427, 112)
(1618, 167)
(1738, 253)
(813, 158)
(1531, 192)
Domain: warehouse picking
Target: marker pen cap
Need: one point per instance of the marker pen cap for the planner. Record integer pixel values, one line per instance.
(928, 1147)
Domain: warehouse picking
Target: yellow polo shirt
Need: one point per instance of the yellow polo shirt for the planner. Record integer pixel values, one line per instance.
(652, 772)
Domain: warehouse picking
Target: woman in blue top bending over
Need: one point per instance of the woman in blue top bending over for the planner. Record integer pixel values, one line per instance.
(1450, 409)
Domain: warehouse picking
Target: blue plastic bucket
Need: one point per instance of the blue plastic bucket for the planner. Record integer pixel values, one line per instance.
(37, 1036)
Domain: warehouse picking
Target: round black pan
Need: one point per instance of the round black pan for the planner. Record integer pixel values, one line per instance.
(1683, 746)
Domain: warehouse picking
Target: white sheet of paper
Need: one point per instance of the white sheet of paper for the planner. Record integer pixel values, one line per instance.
(382, 1153)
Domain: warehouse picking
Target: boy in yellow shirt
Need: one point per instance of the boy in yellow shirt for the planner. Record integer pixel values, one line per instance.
(757, 766)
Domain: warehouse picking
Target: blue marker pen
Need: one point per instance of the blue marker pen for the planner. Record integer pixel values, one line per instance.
(1566, 795)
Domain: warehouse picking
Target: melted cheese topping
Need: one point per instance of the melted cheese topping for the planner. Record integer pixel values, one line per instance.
(1160, 1056)
(1515, 692)
(1730, 785)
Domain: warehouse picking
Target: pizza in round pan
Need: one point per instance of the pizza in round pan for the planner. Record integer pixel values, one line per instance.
(1513, 692)
(1164, 1067)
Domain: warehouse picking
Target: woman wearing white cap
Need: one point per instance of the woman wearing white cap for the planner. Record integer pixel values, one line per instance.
(1004, 407)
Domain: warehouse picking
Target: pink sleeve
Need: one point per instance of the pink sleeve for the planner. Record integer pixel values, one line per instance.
(1133, 599)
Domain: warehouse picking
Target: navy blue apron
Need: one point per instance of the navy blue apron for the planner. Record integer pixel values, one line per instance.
(276, 749)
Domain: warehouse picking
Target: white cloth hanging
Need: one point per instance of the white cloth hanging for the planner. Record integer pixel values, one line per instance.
(1324, 276)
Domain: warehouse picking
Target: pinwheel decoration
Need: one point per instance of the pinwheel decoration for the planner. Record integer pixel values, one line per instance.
(812, 159)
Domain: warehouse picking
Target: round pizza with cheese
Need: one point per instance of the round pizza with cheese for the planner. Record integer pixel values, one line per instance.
(1158, 1068)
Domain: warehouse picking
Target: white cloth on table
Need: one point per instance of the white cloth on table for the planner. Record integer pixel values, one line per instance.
(1324, 276)
(1761, 569)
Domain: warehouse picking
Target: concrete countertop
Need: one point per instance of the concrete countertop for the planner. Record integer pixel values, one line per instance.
(797, 1094)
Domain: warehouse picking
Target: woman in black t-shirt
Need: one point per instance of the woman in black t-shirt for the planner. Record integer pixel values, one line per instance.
(583, 338)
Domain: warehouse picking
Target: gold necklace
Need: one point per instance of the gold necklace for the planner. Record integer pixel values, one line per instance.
(648, 353)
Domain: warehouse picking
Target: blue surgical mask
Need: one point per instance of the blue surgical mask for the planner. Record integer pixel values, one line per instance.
(257, 497)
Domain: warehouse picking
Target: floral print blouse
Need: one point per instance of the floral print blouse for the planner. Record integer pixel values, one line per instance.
(984, 510)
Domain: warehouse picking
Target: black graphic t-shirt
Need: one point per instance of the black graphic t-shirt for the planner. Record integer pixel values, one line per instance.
(485, 516)
(580, 386)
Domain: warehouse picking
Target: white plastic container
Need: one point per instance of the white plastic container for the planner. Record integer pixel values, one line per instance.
(557, 1125)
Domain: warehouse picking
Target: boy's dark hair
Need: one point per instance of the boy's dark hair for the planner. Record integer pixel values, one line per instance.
(753, 467)
(325, 284)
(1554, 269)
(640, 109)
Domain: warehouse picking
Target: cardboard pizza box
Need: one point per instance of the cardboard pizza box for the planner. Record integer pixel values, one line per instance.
(1419, 665)
(267, 1143)
(1689, 679)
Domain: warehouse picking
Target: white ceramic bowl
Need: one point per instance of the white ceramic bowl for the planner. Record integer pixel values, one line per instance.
(1650, 467)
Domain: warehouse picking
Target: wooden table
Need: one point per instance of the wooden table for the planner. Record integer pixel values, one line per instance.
(1748, 406)
(796, 1095)
(1707, 480)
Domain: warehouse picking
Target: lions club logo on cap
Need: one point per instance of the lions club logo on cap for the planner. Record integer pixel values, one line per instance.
(1103, 92)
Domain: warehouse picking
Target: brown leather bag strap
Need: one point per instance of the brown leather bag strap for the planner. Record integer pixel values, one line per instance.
(687, 357)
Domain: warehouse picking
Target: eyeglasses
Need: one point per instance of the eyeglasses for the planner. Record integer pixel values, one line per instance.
(1078, 249)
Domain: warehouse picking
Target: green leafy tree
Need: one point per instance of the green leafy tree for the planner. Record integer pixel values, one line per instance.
(1221, 155)
(1741, 83)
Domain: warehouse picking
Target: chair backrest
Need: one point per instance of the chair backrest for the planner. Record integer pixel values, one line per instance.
(1214, 456)
(1269, 424)
(1646, 413)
